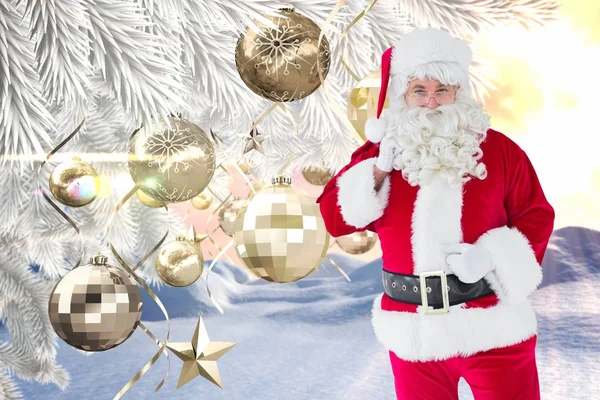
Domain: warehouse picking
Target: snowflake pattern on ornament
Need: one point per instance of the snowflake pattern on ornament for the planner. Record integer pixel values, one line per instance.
(168, 147)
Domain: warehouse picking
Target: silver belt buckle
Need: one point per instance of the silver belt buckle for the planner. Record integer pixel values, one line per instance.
(445, 300)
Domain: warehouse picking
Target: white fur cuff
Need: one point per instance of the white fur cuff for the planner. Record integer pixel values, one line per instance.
(461, 332)
(517, 273)
(360, 204)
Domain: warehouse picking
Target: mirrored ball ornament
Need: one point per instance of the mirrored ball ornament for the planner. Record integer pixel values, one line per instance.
(357, 242)
(74, 183)
(179, 263)
(228, 213)
(280, 235)
(173, 161)
(95, 307)
(363, 100)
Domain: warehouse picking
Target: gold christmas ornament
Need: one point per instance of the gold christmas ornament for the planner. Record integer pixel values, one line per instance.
(179, 263)
(173, 162)
(254, 142)
(357, 242)
(318, 176)
(74, 183)
(95, 307)
(200, 356)
(280, 236)
(148, 201)
(363, 100)
(203, 201)
(228, 214)
(281, 65)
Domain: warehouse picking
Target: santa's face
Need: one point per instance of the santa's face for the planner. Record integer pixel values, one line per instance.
(440, 129)
(429, 93)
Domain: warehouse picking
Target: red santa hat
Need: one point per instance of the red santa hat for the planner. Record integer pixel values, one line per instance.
(422, 53)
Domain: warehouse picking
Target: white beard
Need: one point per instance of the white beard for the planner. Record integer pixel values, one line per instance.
(441, 143)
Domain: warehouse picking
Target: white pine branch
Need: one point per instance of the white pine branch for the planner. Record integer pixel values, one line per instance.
(464, 18)
(24, 304)
(16, 192)
(134, 64)
(8, 389)
(210, 55)
(24, 119)
(62, 47)
(531, 13)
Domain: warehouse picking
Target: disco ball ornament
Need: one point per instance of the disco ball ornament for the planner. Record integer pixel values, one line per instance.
(362, 103)
(281, 64)
(357, 242)
(172, 162)
(74, 183)
(228, 213)
(280, 235)
(318, 176)
(95, 307)
(179, 263)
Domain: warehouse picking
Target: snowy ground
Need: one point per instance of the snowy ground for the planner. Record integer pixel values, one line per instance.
(313, 340)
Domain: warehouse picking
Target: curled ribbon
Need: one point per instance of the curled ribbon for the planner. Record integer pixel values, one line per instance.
(210, 267)
(341, 115)
(49, 201)
(154, 297)
(350, 25)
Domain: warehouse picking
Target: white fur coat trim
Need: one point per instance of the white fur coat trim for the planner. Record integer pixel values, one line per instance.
(360, 204)
(436, 221)
(517, 273)
(419, 337)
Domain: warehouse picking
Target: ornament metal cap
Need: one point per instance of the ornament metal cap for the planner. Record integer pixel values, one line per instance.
(281, 180)
(287, 7)
(98, 259)
(181, 238)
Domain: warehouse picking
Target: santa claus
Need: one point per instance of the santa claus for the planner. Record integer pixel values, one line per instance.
(463, 224)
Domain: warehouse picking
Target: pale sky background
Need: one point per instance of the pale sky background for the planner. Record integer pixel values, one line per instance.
(547, 100)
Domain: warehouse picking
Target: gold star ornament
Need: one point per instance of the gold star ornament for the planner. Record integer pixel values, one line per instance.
(200, 356)
(254, 142)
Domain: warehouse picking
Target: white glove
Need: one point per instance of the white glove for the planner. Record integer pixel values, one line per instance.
(468, 262)
(388, 148)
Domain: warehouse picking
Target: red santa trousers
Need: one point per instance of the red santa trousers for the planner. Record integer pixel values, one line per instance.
(508, 373)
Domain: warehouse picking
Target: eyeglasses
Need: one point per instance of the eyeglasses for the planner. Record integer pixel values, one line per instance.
(442, 96)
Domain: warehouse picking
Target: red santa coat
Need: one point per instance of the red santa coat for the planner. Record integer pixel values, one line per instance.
(507, 213)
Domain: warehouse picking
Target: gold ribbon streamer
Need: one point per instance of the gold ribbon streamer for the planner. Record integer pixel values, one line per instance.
(354, 21)
(338, 268)
(49, 201)
(210, 267)
(239, 171)
(293, 155)
(357, 18)
(341, 115)
(154, 297)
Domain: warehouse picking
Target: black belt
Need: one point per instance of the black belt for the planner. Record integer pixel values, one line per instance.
(408, 289)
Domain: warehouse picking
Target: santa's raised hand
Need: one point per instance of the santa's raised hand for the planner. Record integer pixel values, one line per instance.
(468, 262)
